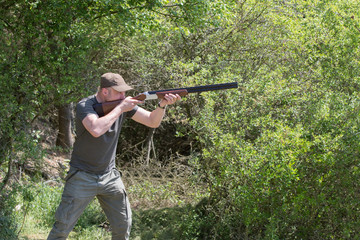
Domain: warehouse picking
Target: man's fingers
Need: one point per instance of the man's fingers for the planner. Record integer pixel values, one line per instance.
(133, 100)
(171, 98)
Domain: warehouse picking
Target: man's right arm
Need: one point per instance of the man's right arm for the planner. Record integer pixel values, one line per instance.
(97, 126)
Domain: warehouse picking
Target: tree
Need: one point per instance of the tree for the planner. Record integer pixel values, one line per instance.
(52, 54)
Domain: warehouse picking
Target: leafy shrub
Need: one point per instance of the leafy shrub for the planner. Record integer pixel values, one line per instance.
(282, 154)
(8, 224)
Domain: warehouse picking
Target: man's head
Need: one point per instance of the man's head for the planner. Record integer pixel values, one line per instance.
(112, 87)
(114, 81)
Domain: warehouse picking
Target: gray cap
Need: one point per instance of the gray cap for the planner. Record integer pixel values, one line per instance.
(114, 81)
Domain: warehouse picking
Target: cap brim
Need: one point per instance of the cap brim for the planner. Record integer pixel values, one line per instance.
(122, 88)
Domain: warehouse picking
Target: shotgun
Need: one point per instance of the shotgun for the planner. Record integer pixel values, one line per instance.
(104, 108)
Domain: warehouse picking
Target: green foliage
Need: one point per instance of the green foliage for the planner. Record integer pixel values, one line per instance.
(154, 224)
(282, 154)
(44, 60)
(8, 223)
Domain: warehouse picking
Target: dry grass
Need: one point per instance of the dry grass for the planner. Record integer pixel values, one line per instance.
(156, 187)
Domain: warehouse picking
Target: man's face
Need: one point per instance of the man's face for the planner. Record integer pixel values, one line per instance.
(113, 95)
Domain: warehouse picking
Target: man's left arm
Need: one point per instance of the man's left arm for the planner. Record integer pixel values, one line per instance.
(154, 118)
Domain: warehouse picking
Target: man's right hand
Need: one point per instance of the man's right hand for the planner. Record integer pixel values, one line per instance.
(128, 104)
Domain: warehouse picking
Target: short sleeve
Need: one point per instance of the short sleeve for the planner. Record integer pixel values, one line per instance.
(84, 108)
(132, 112)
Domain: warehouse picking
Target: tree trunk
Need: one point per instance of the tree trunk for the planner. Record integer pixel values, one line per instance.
(6, 156)
(65, 137)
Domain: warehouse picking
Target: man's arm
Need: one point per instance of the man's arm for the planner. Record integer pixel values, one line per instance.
(154, 118)
(98, 126)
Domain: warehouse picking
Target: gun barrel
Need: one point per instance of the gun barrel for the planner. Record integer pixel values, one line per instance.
(201, 88)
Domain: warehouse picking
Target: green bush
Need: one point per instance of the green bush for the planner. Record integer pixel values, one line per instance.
(282, 153)
(8, 224)
(272, 178)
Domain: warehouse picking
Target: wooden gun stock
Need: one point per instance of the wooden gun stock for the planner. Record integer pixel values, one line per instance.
(104, 108)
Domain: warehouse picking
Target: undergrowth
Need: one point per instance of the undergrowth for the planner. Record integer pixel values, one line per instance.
(158, 204)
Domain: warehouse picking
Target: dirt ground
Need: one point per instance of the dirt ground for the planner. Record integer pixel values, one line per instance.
(56, 165)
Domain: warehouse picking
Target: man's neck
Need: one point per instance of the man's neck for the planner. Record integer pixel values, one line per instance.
(99, 97)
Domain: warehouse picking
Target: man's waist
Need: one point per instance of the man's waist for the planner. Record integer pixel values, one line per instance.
(90, 168)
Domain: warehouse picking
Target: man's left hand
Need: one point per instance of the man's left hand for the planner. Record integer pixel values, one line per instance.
(169, 99)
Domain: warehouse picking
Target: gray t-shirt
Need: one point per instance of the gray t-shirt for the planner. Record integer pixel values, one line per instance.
(90, 154)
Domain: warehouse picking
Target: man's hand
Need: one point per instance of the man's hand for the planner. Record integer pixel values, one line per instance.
(169, 99)
(128, 104)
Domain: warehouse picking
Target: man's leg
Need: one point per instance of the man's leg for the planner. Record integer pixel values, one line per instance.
(67, 215)
(79, 190)
(116, 206)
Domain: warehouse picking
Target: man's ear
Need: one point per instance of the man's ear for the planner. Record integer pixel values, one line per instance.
(104, 91)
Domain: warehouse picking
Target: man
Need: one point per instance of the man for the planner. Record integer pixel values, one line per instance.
(92, 166)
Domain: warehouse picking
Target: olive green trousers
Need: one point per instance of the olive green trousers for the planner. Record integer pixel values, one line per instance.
(80, 188)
